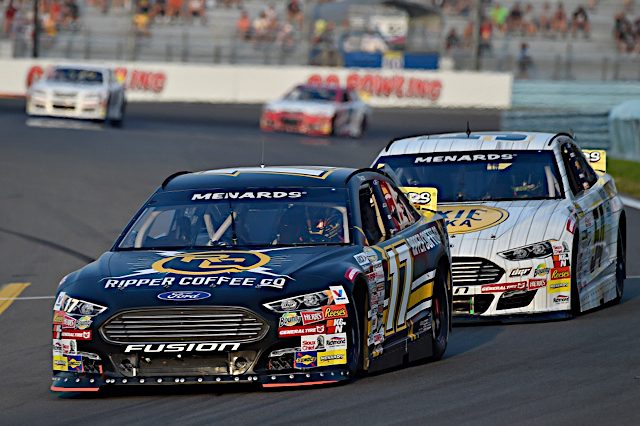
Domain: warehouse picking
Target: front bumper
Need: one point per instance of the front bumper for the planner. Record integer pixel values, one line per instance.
(47, 107)
(297, 123)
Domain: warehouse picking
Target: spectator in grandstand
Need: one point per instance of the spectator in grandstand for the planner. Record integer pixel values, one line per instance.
(243, 26)
(260, 27)
(453, 40)
(285, 38)
(529, 21)
(560, 22)
(580, 22)
(197, 9)
(174, 9)
(141, 19)
(545, 19)
(159, 11)
(623, 32)
(485, 36)
(525, 62)
(71, 12)
(514, 21)
(9, 15)
(294, 13)
(498, 15)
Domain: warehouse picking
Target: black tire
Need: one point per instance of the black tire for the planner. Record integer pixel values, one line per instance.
(118, 122)
(360, 350)
(440, 314)
(621, 267)
(575, 295)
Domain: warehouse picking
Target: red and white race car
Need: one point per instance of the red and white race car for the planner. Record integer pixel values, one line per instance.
(317, 110)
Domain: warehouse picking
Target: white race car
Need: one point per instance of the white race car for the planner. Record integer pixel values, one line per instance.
(533, 228)
(82, 92)
(317, 110)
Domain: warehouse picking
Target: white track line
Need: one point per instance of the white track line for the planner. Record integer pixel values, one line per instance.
(633, 276)
(631, 202)
(28, 298)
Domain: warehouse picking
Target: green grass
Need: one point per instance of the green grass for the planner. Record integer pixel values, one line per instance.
(627, 176)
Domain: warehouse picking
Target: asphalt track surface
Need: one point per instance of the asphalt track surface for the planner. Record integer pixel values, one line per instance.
(66, 193)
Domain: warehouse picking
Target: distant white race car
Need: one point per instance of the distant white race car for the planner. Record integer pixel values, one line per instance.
(533, 228)
(319, 110)
(78, 91)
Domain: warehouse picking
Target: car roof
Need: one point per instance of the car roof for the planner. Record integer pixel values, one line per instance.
(277, 176)
(475, 141)
(336, 87)
(83, 67)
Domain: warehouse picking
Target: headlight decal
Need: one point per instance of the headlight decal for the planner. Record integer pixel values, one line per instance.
(535, 251)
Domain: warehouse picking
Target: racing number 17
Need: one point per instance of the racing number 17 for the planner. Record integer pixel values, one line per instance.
(399, 258)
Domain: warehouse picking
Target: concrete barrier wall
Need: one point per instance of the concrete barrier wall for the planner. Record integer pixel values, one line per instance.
(250, 84)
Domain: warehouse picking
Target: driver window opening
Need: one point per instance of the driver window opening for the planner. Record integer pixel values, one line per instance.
(372, 223)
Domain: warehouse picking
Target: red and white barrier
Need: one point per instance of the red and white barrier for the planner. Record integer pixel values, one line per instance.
(168, 82)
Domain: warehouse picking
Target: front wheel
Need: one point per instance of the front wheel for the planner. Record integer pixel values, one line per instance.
(621, 268)
(440, 314)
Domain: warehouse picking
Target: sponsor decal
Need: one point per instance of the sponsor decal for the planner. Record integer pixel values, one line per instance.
(422, 198)
(84, 322)
(339, 295)
(351, 274)
(183, 296)
(334, 311)
(463, 158)
(336, 326)
(536, 283)
(74, 363)
(270, 195)
(289, 319)
(137, 80)
(301, 330)
(561, 260)
(424, 325)
(557, 286)
(519, 272)
(77, 335)
(371, 254)
(465, 219)
(541, 270)
(60, 363)
(561, 298)
(65, 346)
(59, 301)
(313, 342)
(306, 359)
(424, 241)
(461, 290)
(384, 86)
(335, 357)
(310, 317)
(211, 263)
(560, 273)
(69, 322)
(362, 259)
(288, 304)
(58, 317)
(558, 247)
(183, 347)
(203, 269)
(499, 288)
(336, 341)
(376, 339)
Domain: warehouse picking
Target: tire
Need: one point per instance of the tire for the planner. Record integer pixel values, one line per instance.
(440, 314)
(360, 350)
(621, 267)
(575, 294)
(117, 122)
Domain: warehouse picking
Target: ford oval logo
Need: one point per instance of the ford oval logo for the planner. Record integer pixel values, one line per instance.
(182, 296)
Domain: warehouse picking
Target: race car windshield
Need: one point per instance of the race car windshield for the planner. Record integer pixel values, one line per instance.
(72, 75)
(245, 217)
(481, 176)
(312, 94)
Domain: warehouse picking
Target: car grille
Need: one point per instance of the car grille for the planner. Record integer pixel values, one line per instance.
(65, 95)
(170, 325)
(290, 121)
(475, 271)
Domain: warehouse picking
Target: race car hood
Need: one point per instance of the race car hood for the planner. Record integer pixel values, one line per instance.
(498, 226)
(135, 278)
(305, 107)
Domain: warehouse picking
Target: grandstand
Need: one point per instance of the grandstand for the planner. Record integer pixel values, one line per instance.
(130, 31)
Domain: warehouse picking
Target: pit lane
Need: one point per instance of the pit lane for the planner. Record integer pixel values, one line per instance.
(67, 191)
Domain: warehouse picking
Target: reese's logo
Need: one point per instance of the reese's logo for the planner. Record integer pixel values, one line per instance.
(334, 311)
(465, 219)
(560, 273)
(211, 263)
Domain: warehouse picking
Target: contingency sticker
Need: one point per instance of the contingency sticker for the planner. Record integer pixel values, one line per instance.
(332, 357)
